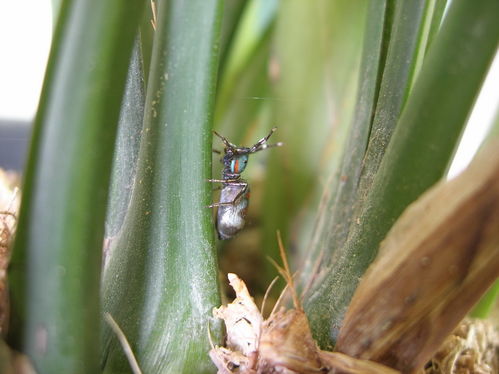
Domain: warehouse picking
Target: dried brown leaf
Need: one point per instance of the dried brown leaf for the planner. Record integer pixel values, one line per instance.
(435, 263)
(12, 362)
(281, 344)
(342, 363)
(243, 323)
(286, 343)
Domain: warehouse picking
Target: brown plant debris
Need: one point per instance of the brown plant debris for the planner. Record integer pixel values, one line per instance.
(473, 347)
(12, 362)
(281, 344)
(438, 259)
(9, 203)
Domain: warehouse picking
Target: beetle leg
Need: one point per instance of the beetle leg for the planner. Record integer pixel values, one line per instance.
(220, 204)
(236, 199)
(232, 182)
(241, 193)
(225, 141)
(236, 183)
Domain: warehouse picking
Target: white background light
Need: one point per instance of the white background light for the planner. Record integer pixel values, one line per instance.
(25, 34)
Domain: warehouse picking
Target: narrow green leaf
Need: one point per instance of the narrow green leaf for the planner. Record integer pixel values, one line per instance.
(401, 59)
(56, 6)
(256, 20)
(248, 44)
(237, 111)
(160, 283)
(127, 144)
(230, 22)
(146, 33)
(420, 149)
(334, 218)
(56, 263)
(314, 63)
(437, 9)
(430, 24)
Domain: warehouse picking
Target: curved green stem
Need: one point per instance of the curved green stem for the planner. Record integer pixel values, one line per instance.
(160, 283)
(56, 264)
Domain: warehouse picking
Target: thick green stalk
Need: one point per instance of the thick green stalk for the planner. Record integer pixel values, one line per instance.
(437, 14)
(419, 152)
(127, 144)
(56, 6)
(160, 283)
(398, 69)
(314, 66)
(231, 18)
(334, 218)
(146, 35)
(236, 116)
(56, 263)
(249, 43)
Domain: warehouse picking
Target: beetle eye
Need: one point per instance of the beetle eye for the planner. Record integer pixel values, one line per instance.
(238, 164)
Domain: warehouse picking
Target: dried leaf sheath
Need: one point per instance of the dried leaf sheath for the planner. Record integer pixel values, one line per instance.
(281, 344)
(437, 260)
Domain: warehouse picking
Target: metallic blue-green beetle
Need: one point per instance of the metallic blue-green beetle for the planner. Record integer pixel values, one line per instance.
(234, 198)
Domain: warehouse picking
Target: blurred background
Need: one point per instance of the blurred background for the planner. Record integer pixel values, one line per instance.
(25, 35)
(291, 64)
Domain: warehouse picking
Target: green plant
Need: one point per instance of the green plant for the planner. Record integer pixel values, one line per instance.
(369, 98)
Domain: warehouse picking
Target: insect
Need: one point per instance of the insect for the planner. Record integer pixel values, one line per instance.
(234, 198)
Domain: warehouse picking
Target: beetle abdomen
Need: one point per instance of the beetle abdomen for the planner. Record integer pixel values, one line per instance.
(231, 218)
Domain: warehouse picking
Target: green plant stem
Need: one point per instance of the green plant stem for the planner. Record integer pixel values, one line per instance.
(231, 18)
(160, 284)
(403, 50)
(127, 144)
(146, 35)
(437, 9)
(334, 218)
(419, 152)
(236, 113)
(398, 70)
(313, 71)
(56, 264)
(56, 6)
(244, 80)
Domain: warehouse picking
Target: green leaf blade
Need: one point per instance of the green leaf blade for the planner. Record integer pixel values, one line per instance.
(314, 63)
(421, 146)
(56, 264)
(160, 284)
